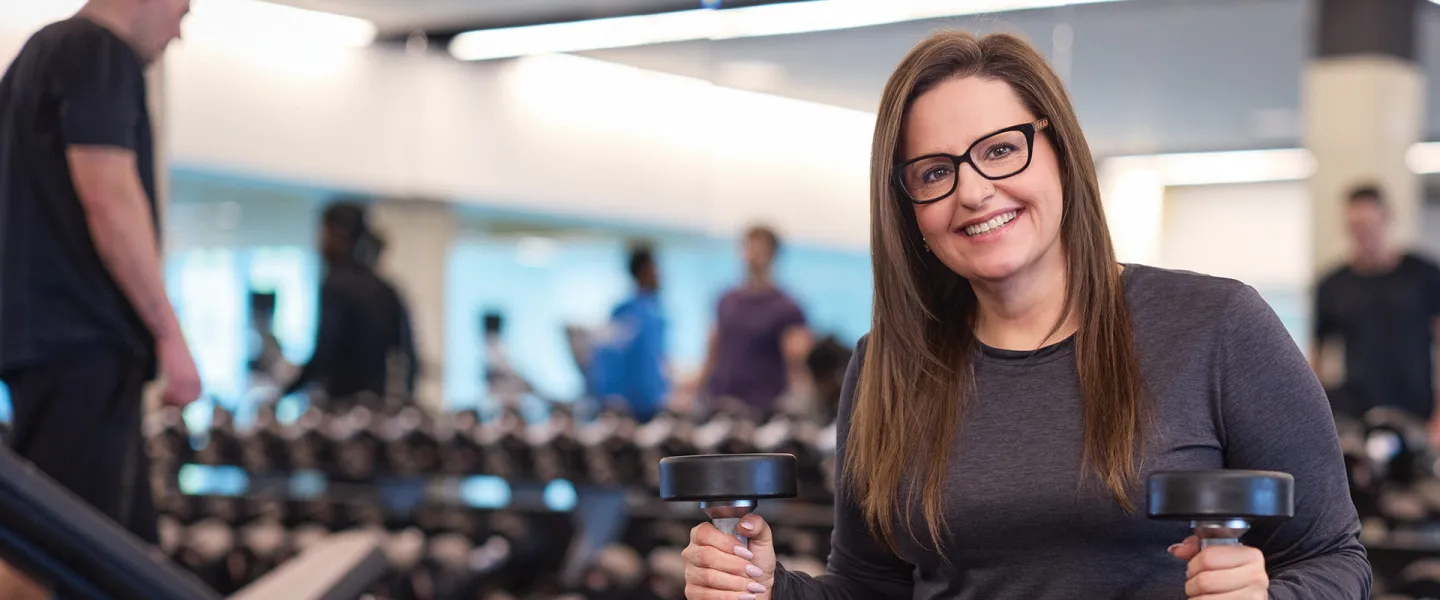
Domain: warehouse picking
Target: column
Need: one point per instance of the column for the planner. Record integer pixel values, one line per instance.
(1364, 102)
(418, 237)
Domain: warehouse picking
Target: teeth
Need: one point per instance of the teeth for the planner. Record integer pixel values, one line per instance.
(992, 224)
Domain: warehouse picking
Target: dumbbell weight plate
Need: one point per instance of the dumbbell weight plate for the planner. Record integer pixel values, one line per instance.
(709, 477)
(1225, 494)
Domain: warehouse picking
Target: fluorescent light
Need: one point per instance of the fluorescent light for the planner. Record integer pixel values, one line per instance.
(752, 21)
(1424, 158)
(265, 24)
(1212, 168)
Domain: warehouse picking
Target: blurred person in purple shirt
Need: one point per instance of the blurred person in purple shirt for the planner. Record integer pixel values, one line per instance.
(760, 341)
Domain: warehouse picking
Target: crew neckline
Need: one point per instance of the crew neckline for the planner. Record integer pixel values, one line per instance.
(1049, 352)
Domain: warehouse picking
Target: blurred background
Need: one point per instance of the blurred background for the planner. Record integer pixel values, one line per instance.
(512, 152)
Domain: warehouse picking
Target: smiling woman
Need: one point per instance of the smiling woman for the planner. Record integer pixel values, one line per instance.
(1019, 384)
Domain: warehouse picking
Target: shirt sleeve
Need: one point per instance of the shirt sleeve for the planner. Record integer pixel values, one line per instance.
(327, 339)
(794, 316)
(1275, 417)
(101, 87)
(1432, 288)
(859, 568)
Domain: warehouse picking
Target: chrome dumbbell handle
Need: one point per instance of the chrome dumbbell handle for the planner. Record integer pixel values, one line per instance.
(726, 515)
(1220, 533)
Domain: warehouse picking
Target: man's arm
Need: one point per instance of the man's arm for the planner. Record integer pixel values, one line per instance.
(328, 340)
(711, 347)
(118, 213)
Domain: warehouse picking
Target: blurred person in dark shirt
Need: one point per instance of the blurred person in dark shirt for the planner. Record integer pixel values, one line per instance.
(1384, 306)
(627, 361)
(760, 341)
(84, 319)
(363, 321)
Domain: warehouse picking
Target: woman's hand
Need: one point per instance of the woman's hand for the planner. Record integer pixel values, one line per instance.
(717, 567)
(1223, 572)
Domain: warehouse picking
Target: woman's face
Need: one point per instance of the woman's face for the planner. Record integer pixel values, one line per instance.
(987, 230)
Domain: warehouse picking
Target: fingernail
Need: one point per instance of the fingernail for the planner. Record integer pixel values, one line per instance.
(746, 597)
(747, 525)
(755, 587)
(744, 553)
(1172, 548)
(753, 571)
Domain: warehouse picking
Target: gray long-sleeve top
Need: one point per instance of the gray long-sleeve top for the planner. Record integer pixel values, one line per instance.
(1232, 390)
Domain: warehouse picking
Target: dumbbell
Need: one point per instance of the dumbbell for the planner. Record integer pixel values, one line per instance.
(557, 449)
(506, 452)
(727, 486)
(264, 449)
(611, 456)
(1220, 505)
(222, 446)
(460, 452)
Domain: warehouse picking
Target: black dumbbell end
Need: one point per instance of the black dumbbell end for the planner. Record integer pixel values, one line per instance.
(722, 477)
(1221, 494)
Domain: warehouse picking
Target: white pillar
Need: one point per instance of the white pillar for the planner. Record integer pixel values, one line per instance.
(1362, 113)
(418, 238)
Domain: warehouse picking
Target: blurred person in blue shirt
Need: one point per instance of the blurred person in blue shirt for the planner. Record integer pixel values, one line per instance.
(627, 362)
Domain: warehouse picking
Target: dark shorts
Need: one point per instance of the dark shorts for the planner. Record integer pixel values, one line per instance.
(79, 421)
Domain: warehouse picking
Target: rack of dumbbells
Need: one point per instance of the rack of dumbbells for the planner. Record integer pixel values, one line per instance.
(475, 506)
(1394, 475)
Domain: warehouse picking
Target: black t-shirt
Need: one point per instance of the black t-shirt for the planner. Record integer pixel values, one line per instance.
(73, 83)
(1387, 322)
(363, 323)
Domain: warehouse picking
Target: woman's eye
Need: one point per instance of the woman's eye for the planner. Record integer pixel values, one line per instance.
(935, 174)
(999, 151)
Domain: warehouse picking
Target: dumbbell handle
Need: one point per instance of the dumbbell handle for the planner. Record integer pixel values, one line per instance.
(1208, 542)
(1220, 533)
(731, 526)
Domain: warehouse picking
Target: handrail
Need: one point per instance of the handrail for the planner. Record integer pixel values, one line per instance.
(58, 539)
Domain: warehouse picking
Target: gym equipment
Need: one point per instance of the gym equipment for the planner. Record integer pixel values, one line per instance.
(263, 450)
(411, 444)
(359, 452)
(1221, 504)
(309, 447)
(611, 454)
(168, 440)
(728, 486)
(557, 451)
(460, 452)
(222, 444)
(666, 435)
(506, 452)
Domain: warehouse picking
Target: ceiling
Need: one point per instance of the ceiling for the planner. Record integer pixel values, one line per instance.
(1145, 75)
(398, 17)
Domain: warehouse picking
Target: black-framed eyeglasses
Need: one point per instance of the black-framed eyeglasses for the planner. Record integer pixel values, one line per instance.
(1001, 154)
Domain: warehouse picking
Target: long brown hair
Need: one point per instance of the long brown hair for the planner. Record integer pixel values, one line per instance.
(917, 377)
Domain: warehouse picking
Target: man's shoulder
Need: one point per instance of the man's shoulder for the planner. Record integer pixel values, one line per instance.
(1420, 262)
(74, 34)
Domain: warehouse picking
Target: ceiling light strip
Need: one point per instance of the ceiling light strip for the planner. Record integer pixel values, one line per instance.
(752, 21)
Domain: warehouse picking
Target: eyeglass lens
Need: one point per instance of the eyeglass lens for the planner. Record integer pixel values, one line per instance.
(998, 156)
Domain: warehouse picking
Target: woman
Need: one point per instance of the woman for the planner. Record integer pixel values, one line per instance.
(974, 465)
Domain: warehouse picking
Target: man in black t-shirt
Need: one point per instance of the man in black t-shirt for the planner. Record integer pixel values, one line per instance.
(1385, 307)
(364, 343)
(84, 320)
